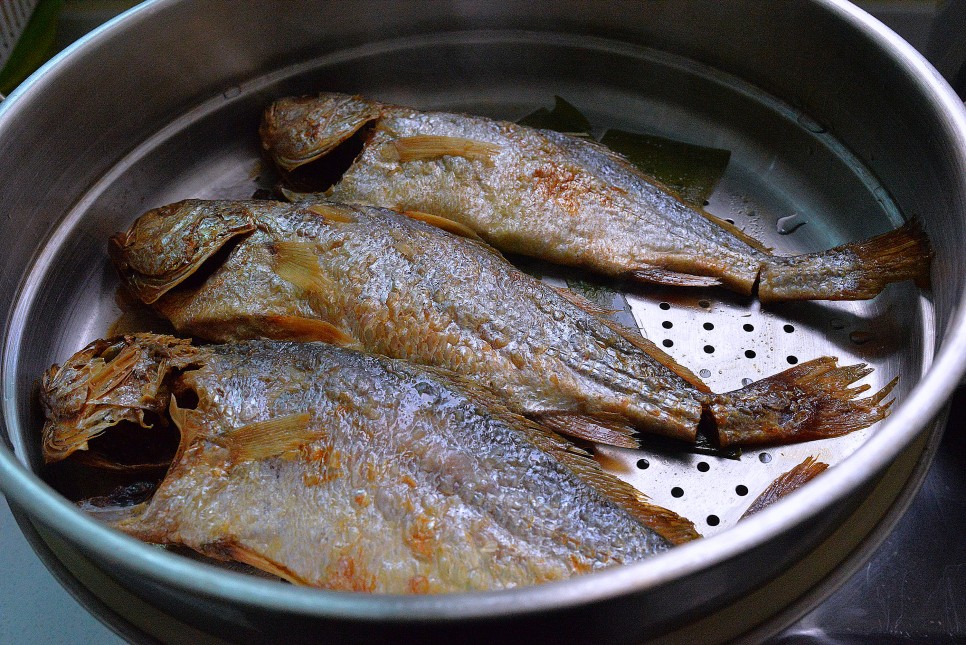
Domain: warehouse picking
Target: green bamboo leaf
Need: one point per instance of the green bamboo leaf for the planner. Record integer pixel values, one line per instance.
(564, 117)
(690, 171)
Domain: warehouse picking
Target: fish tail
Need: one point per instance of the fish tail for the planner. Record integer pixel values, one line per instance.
(854, 271)
(809, 401)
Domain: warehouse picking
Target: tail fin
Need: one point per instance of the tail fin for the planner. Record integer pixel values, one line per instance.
(808, 401)
(787, 483)
(854, 271)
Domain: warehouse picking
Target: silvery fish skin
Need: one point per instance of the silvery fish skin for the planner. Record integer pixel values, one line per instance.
(341, 470)
(563, 199)
(387, 283)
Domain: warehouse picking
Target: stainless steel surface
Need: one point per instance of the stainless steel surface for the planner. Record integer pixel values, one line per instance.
(848, 162)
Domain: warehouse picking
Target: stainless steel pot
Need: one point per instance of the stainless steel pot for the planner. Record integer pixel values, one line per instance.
(827, 114)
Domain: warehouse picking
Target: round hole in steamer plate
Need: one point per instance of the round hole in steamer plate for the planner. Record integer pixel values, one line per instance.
(764, 458)
(667, 342)
(704, 304)
(713, 520)
(705, 373)
(789, 328)
(665, 306)
(677, 491)
(792, 360)
(748, 327)
(709, 349)
(667, 324)
(741, 490)
(708, 326)
(750, 353)
(643, 464)
(703, 466)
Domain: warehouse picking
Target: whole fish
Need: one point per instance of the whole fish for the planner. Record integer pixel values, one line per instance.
(561, 198)
(387, 283)
(341, 470)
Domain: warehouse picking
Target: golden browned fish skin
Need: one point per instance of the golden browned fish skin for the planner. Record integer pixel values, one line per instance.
(341, 470)
(386, 283)
(563, 199)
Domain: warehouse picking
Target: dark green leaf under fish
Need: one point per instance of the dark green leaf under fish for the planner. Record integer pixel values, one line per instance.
(689, 170)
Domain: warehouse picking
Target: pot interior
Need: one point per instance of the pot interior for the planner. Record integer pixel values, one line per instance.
(789, 183)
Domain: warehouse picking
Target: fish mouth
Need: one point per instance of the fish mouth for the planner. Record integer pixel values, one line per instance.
(109, 405)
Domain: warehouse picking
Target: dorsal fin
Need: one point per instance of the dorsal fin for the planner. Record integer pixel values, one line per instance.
(737, 232)
(264, 439)
(658, 354)
(582, 303)
(445, 224)
(634, 339)
(427, 147)
(666, 523)
(659, 275)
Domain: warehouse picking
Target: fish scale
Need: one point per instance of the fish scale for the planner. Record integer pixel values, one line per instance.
(421, 482)
(602, 383)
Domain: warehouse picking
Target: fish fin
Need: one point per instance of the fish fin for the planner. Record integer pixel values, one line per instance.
(121, 517)
(737, 232)
(854, 271)
(808, 401)
(659, 355)
(264, 439)
(332, 213)
(231, 549)
(582, 303)
(660, 275)
(611, 430)
(301, 329)
(634, 339)
(297, 262)
(666, 523)
(426, 147)
(786, 483)
(186, 420)
(443, 223)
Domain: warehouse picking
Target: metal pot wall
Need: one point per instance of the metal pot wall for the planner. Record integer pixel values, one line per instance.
(823, 109)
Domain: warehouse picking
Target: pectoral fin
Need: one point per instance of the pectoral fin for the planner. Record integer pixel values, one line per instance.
(270, 438)
(428, 147)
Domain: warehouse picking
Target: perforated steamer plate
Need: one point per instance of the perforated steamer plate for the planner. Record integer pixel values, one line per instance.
(783, 164)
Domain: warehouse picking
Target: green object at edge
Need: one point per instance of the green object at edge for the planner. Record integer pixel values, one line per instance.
(35, 46)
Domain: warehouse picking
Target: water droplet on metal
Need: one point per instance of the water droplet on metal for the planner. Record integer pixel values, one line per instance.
(860, 337)
(790, 224)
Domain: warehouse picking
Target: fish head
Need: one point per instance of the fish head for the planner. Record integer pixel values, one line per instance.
(166, 245)
(124, 384)
(299, 130)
